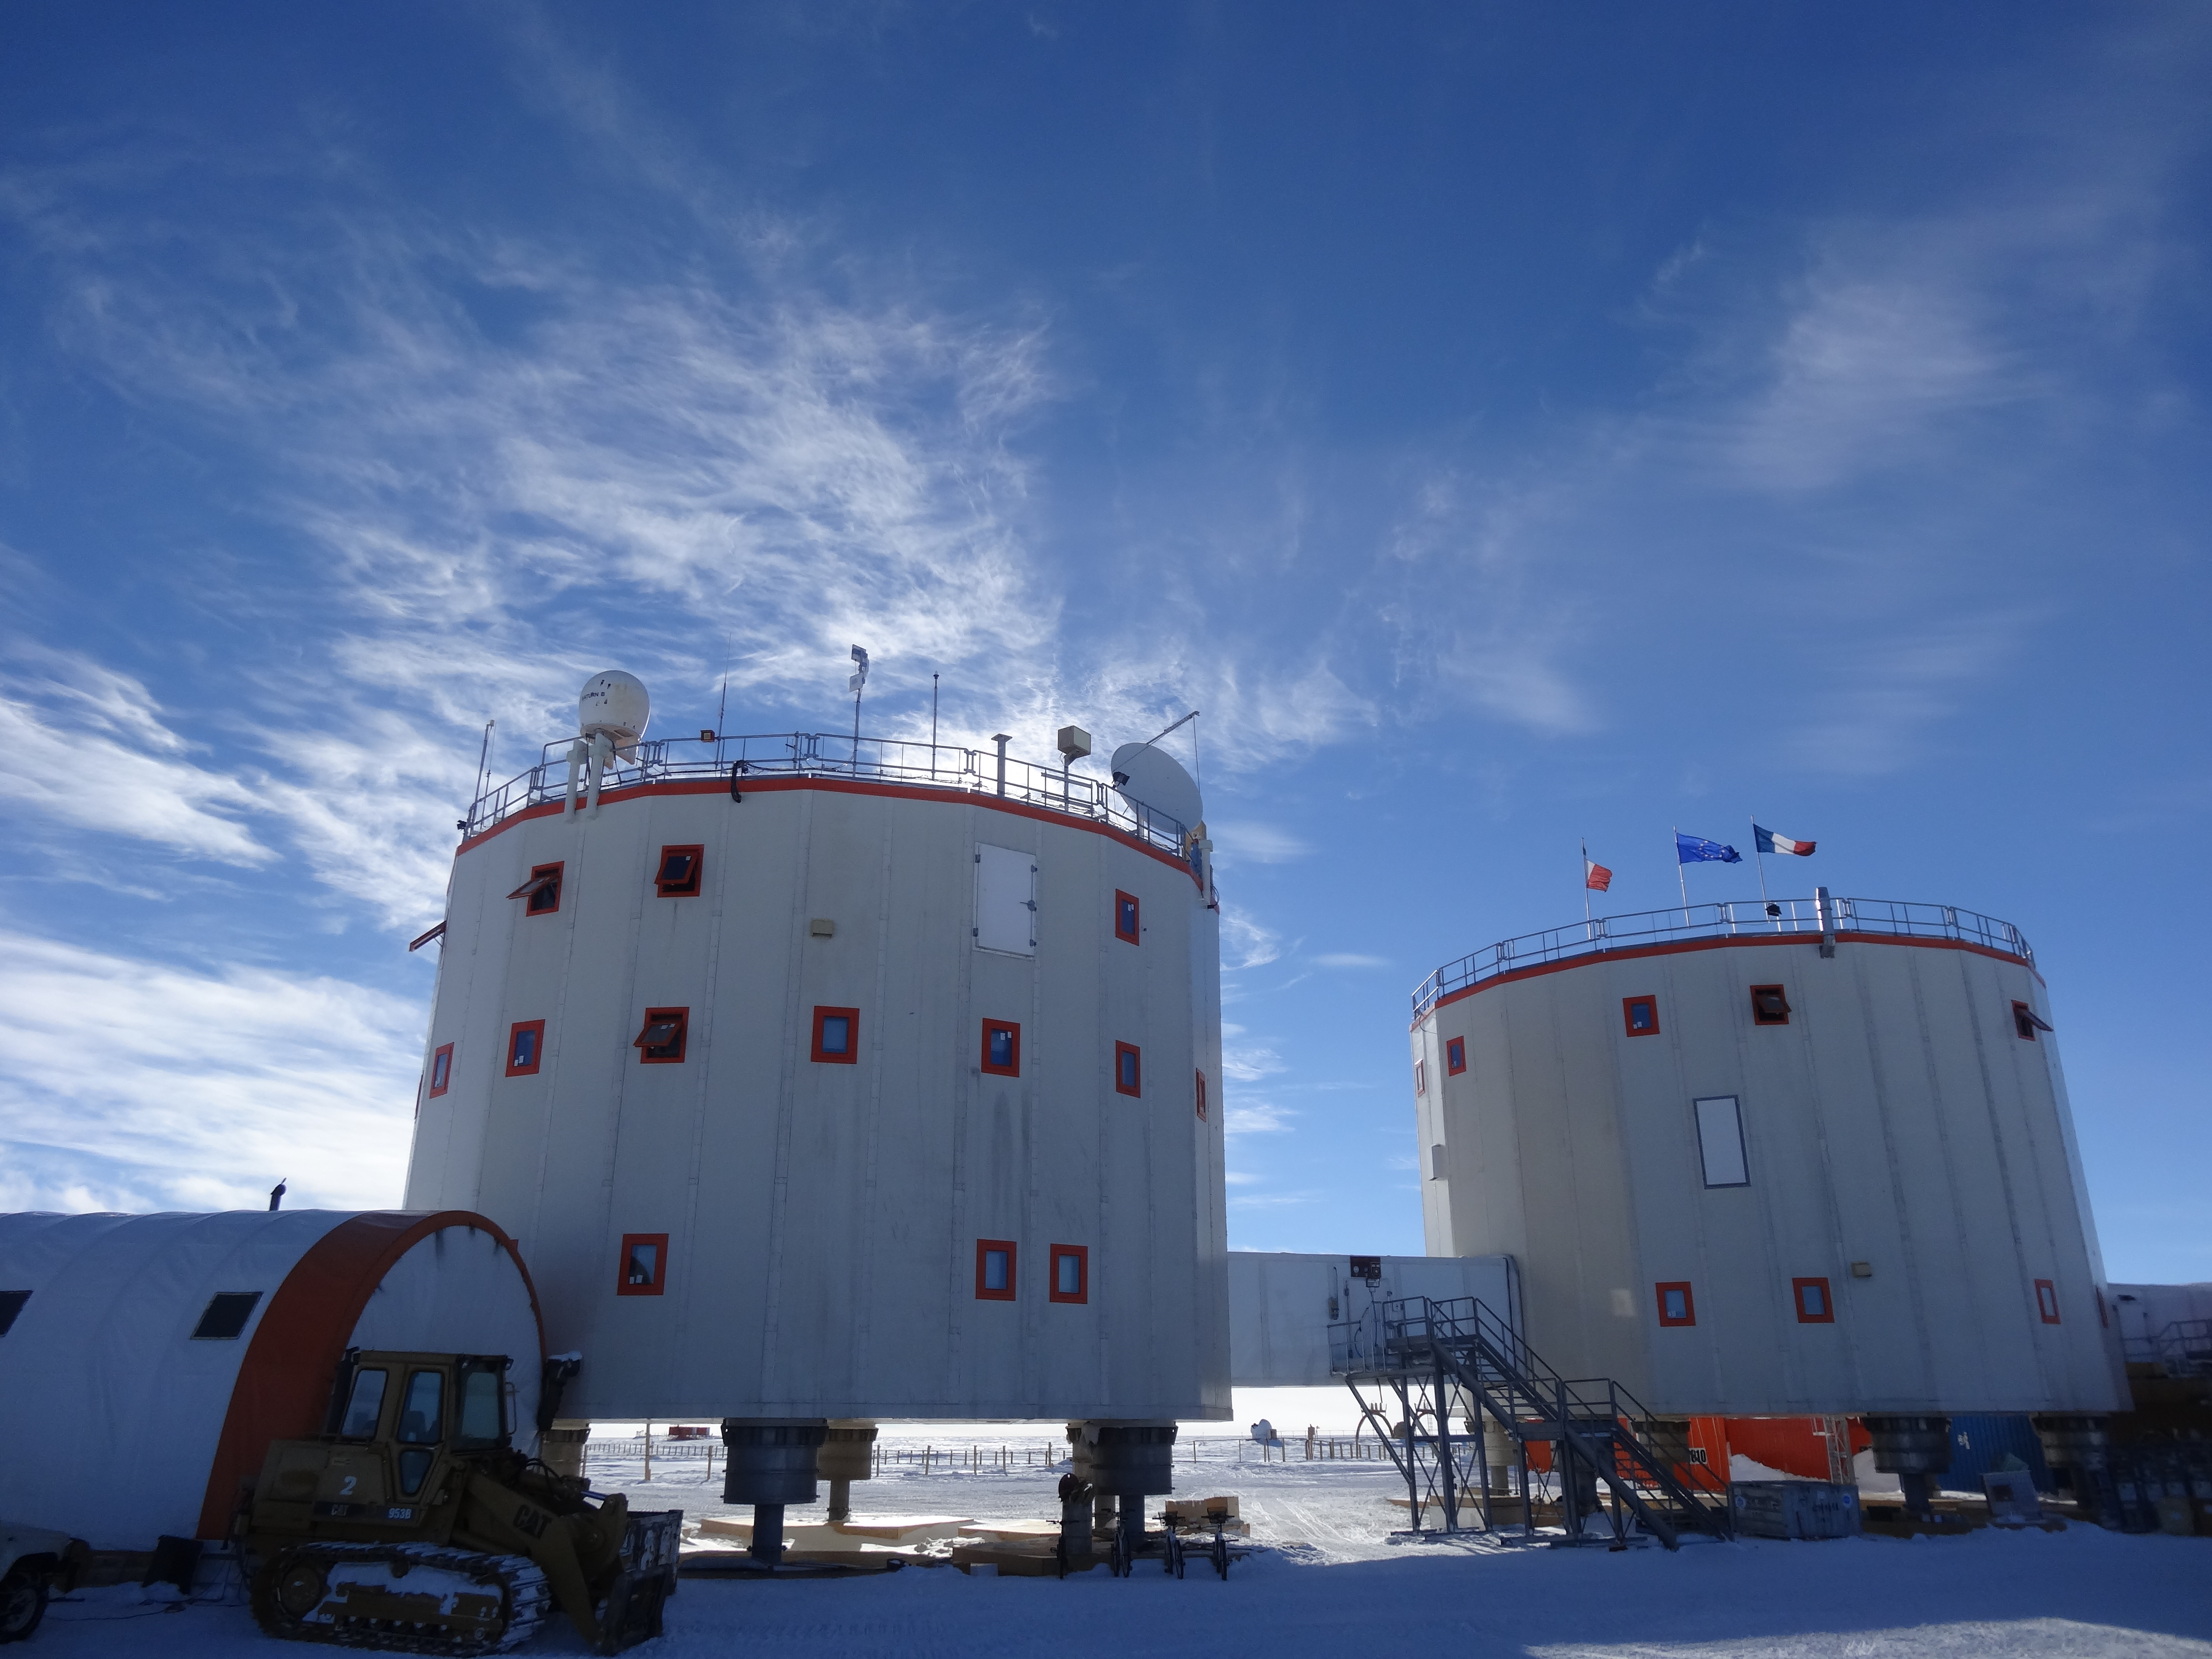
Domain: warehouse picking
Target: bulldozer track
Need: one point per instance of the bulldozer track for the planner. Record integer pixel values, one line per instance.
(358, 1595)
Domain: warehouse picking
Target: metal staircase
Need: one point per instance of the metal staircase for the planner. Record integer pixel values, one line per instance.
(1437, 1361)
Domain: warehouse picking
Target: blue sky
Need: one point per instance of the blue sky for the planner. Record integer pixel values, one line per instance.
(1509, 423)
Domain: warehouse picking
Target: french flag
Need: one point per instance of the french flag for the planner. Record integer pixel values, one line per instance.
(1767, 841)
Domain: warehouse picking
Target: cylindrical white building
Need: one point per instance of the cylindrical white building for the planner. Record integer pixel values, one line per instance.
(824, 1084)
(1819, 1161)
(147, 1361)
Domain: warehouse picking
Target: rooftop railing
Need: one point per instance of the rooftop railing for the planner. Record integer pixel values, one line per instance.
(1748, 919)
(736, 760)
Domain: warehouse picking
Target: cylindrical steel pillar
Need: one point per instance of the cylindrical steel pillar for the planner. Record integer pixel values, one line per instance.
(846, 1455)
(562, 1450)
(771, 1465)
(1915, 1449)
(2077, 1449)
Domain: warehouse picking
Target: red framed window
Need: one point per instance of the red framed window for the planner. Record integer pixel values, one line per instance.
(1769, 1006)
(1816, 1305)
(1129, 1069)
(2027, 1021)
(1420, 1076)
(1455, 1056)
(541, 894)
(676, 875)
(525, 1047)
(1201, 1096)
(1125, 917)
(995, 1270)
(838, 1035)
(442, 1070)
(1640, 1015)
(2046, 1301)
(1676, 1305)
(1070, 1273)
(1002, 1047)
(659, 1040)
(644, 1269)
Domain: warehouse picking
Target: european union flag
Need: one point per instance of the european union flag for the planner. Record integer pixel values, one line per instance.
(1695, 849)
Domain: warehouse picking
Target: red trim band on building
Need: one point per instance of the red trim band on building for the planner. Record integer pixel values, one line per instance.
(899, 792)
(1732, 943)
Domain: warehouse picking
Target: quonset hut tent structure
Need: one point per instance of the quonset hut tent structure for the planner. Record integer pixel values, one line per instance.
(147, 1361)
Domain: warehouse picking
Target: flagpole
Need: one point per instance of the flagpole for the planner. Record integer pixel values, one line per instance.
(1761, 857)
(1586, 914)
(1682, 880)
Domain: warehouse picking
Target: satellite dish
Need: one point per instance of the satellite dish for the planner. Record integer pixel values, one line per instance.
(615, 704)
(1143, 772)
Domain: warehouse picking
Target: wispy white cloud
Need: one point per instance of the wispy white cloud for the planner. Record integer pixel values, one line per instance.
(1347, 959)
(1238, 839)
(1245, 943)
(90, 749)
(121, 1077)
(1257, 1118)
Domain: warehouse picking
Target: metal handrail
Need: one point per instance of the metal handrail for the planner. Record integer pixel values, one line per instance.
(953, 768)
(1745, 918)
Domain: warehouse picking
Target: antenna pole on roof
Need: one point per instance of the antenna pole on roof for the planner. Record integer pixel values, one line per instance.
(1185, 720)
(932, 726)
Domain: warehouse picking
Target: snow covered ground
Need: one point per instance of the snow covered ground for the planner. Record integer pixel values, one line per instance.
(1335, 1584)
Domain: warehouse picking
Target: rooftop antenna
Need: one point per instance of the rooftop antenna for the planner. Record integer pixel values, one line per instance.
(932, 726)
(722, 708)
(484, 763)
(860, 678)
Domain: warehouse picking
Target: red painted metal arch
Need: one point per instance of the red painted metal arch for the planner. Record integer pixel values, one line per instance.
(283, 1385)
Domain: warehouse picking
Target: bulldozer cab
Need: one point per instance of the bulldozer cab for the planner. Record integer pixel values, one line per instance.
(400, 1425)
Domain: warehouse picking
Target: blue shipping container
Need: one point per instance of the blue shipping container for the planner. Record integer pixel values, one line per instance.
(1979, 1444)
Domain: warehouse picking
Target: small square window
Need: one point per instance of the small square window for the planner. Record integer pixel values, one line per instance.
(441, 1069)
(1436, 1162)
(525, 1047)
(11, 1309)
(1640, 1015)
(1814, 1305)
(542, 893)
(225, 1316)
(1002, 1047)
(1676, 1306)
(2027, 1021)
(1455, 1056)
(644, 1265)
(1420, 1076)
(2046, 1301)
(1768, 1005)
(677, 876)
(1201, 1096)
(1070, 1273)
(1129, 1069)
(1125, 917)
(838, 1035)
(659, 1040)
(994, 1269)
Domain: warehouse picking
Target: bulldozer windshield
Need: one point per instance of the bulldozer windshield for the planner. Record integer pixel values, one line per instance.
(483, 1409)
(364, 1406)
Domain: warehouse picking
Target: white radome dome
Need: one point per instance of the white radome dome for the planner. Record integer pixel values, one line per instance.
(615, 704)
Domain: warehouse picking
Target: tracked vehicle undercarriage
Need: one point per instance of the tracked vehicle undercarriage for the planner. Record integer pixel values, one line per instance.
(414, 1526)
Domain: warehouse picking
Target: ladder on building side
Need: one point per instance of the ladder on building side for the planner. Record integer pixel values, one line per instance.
(1435, 1361)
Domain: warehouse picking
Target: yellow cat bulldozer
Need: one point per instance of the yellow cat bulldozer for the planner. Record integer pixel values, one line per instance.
(413, 1524)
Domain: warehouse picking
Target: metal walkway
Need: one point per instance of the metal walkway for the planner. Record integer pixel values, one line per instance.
(1430, 1363)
